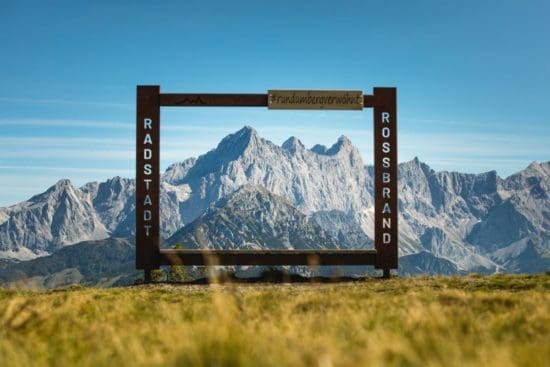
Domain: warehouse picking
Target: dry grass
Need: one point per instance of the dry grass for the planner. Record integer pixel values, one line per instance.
(428, 321)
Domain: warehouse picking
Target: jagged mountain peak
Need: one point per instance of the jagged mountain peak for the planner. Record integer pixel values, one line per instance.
(114, 184)
(239, 141)
(62, 215)
(61, 187)
(245, 135)
(536, 175)
(343, 144)
(246, 130)
(64, 182)
(415, 162)
(416, 165)
(538, 168)
(245, 142)
(119, 183)
(293, 145)
(343, 140)
(342, 150)
(178, 165)
(176, 172)
(116, 180)
(534, 169)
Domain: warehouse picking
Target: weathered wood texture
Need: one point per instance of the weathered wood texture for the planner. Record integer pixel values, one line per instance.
(147, 177)
(385, 178)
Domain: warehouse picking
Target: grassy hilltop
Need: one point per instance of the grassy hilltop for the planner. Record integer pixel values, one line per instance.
(428, 321)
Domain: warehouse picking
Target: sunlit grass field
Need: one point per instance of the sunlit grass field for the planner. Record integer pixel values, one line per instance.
(426, 321)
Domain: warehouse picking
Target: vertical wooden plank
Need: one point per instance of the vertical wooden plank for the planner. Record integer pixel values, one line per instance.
(147, 177)
(385, 179)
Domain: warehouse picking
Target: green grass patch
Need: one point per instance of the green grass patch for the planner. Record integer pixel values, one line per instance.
(478, 320)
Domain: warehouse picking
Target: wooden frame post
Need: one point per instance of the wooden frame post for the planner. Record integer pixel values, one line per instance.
(385, 179)
(147, 179)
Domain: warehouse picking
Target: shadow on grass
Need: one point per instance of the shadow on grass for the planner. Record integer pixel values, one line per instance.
(274, 276)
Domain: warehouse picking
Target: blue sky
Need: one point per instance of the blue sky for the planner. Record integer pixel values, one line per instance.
(472, 79)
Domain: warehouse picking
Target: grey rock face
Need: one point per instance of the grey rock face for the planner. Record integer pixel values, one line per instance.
(253, 218)
(112, 200)
(344, 228)
(47, 221)
(308, 180)
(478, 222)
(176, 172)
(426, 263)
(65, 215)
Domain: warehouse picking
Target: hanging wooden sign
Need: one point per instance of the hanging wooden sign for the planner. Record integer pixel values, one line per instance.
(315, 99)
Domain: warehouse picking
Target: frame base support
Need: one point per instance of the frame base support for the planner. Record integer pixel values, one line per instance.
(147, 278)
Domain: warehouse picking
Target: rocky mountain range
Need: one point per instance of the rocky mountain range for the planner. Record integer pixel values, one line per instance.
(249, 193)
(254, 218)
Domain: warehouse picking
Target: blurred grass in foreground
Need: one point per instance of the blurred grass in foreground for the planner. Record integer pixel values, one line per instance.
(427, 321)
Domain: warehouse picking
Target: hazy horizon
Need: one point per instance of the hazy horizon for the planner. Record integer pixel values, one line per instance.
(104, 174)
